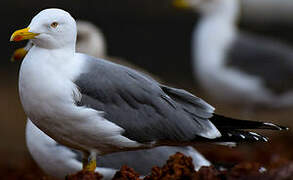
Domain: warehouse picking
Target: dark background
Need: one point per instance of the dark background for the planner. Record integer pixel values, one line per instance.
(148, 33)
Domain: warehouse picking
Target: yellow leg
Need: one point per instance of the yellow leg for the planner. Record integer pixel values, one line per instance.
(89, 161)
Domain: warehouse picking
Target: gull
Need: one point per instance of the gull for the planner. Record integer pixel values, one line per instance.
(244, 69)
(99, 107)
(58, 161)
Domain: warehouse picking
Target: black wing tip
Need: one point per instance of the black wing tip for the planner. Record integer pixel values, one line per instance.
(223, 122)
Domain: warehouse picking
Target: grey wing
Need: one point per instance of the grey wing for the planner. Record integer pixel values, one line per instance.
(267, 59)
(140, 106)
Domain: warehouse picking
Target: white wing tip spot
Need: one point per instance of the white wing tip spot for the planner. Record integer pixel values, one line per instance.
(271, 124)
(255, 134)
(242, 136)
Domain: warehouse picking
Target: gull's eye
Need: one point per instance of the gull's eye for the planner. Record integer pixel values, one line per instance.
(54, 24)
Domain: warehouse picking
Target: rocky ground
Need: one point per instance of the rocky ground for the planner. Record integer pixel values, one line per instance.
(248, 161)
(259, 161)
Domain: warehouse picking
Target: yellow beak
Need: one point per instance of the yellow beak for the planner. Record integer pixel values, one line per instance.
(22, 34)
(19, 54)
(181, 4)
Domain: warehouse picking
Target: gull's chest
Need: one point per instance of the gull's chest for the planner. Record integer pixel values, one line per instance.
(43, 89)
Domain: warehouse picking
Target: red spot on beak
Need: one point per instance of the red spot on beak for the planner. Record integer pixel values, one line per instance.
(18, 38)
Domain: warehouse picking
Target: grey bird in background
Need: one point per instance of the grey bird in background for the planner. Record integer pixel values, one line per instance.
(99, 107)
(90, 39)
(244, 69)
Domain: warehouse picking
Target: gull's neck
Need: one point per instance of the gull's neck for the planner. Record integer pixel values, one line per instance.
(61, 61)
(58, 55)
(214, 33)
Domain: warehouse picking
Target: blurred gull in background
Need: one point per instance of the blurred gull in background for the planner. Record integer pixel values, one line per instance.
(244, 69)
(58, 161)
(90, 39)
(20, 53)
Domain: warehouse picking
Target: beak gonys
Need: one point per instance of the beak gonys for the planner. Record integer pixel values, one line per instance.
(22, 34)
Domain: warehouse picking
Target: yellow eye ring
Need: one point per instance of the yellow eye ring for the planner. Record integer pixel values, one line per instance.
(54, 25)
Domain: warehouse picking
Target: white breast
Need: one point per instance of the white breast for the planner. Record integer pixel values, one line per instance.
(42, 87)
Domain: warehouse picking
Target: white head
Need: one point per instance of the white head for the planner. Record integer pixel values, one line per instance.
(50, 29)
(90, 40)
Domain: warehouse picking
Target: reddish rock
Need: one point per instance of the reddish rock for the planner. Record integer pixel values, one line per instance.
(177, 167)
(207, 173)
(126, 173)
(84, 175)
